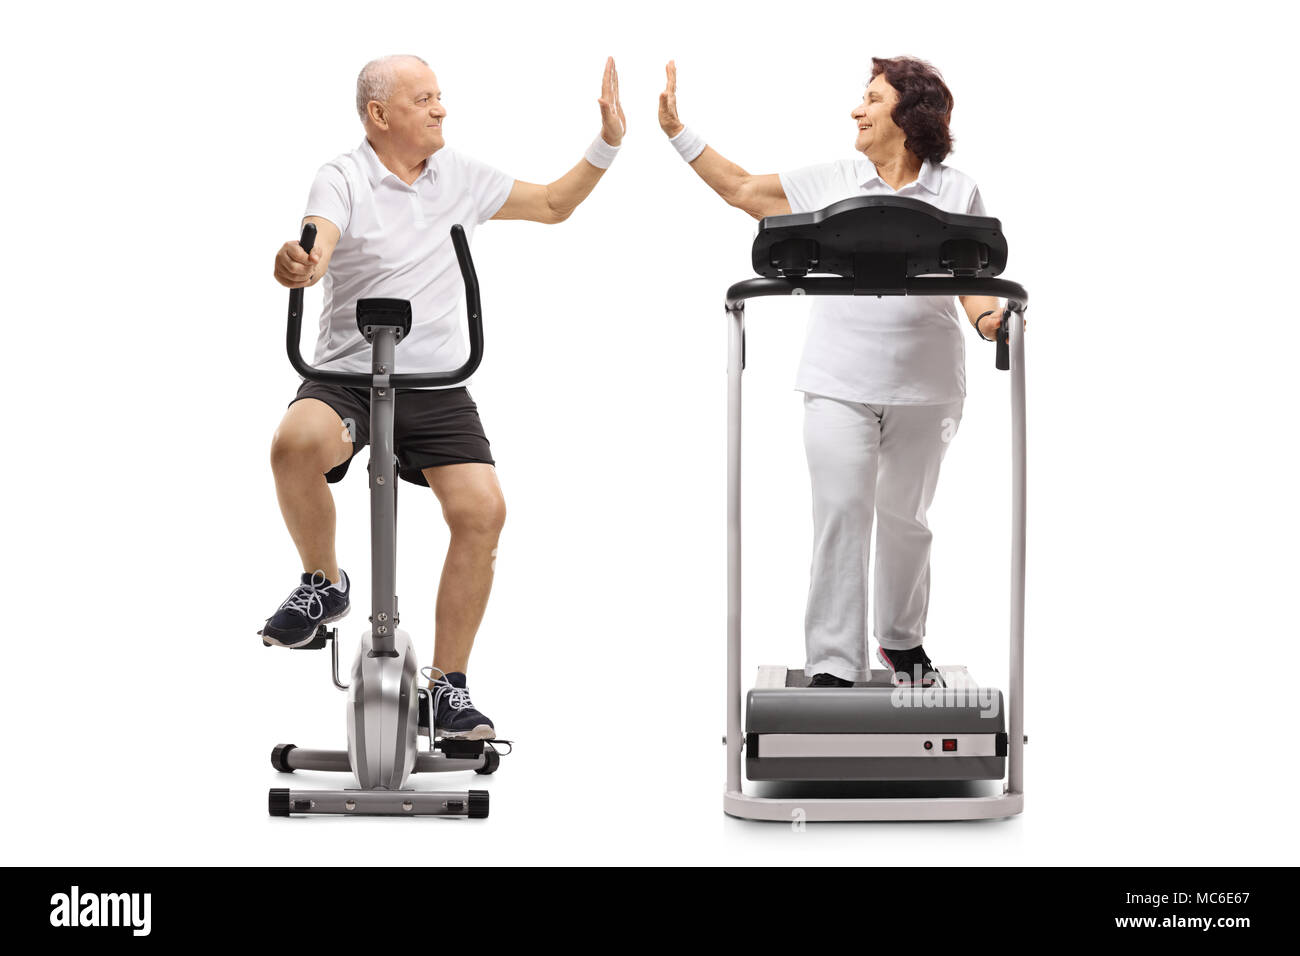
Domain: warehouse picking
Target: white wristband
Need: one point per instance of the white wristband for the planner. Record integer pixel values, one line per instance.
(600, 154)
(688, 143)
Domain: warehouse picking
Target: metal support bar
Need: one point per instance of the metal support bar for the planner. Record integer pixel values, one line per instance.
(383, 518)
(336, 761)
(387, 803)
(1016, 704)
(735, 369)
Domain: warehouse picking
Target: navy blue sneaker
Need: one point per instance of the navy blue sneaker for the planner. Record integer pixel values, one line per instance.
(313, 602)
(910, 667)
(455, 717)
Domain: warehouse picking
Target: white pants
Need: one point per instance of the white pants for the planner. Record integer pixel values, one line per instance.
(864, 459)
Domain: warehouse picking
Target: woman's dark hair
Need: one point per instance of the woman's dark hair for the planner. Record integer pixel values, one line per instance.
(924, 105)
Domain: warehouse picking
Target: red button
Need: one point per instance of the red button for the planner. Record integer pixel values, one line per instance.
(950, 744)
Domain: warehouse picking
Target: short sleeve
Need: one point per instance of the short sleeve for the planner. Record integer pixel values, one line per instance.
(976, 207)
(805, 188)
(330, 197)
(489, 186)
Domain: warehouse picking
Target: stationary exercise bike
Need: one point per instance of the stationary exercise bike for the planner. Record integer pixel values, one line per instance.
(873, 734)
(387, 710)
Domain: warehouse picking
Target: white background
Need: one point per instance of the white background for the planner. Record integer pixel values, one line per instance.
(156, 157)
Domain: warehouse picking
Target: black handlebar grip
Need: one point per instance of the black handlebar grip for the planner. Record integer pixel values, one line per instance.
(461, 245)
(294, 330)
(1002, 362)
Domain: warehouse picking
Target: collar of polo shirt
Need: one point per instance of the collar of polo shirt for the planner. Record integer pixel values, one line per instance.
(928, 177)
(376, 171)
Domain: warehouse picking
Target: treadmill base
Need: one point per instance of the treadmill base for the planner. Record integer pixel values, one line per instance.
(822, 809)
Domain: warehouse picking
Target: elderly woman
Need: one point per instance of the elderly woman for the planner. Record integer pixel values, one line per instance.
(883, 378)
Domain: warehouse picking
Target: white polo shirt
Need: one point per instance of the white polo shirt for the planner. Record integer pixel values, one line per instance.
(893, 350)
(395, 242)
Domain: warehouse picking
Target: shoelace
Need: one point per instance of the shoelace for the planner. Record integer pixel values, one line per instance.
(457, 697)
(918, 671)
(306, 597)
(915, 670)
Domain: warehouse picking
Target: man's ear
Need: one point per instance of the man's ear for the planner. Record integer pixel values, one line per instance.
(377, 114)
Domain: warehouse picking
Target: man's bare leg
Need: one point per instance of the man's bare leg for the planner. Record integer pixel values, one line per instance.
(475, 511)
(310, 441)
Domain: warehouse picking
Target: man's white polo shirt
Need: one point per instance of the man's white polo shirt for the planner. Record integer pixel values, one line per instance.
(395, 242)
(893, 350)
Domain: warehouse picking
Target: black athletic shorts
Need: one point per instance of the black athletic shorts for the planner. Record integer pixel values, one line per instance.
(430, 426)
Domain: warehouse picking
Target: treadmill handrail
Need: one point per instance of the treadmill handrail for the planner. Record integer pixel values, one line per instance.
(473, 305)
(1015, 294)
(837, 285)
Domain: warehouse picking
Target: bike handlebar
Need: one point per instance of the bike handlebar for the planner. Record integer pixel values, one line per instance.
(473, 305)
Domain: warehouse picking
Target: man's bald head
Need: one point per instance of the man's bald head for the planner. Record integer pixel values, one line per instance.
(379, 78)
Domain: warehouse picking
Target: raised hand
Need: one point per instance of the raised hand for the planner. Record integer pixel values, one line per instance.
(613, 124)
(668, 120)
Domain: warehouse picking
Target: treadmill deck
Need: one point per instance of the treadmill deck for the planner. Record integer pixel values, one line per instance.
(873, 730)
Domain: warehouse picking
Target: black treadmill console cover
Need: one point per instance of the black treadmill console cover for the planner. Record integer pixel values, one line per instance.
(871, 237)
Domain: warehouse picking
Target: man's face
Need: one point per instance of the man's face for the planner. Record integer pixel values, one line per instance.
(415, 111)
(877, 133)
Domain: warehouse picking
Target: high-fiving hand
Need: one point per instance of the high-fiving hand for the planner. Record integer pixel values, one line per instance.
(668, 120)
(613, 124)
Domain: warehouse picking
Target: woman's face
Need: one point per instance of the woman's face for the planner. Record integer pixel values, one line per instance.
(878, 137)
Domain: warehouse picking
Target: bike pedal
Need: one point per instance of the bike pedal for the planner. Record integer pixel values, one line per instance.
(460, 749)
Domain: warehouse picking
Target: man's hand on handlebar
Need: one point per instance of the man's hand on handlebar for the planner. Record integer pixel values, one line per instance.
(294, 268)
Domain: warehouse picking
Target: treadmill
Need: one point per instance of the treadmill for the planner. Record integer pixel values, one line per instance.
(888, 741)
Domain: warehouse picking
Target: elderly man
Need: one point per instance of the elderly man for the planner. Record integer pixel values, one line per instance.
(383, 215)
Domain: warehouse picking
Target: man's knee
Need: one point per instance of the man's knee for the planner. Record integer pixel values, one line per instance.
(294, 447)
(481, 511)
